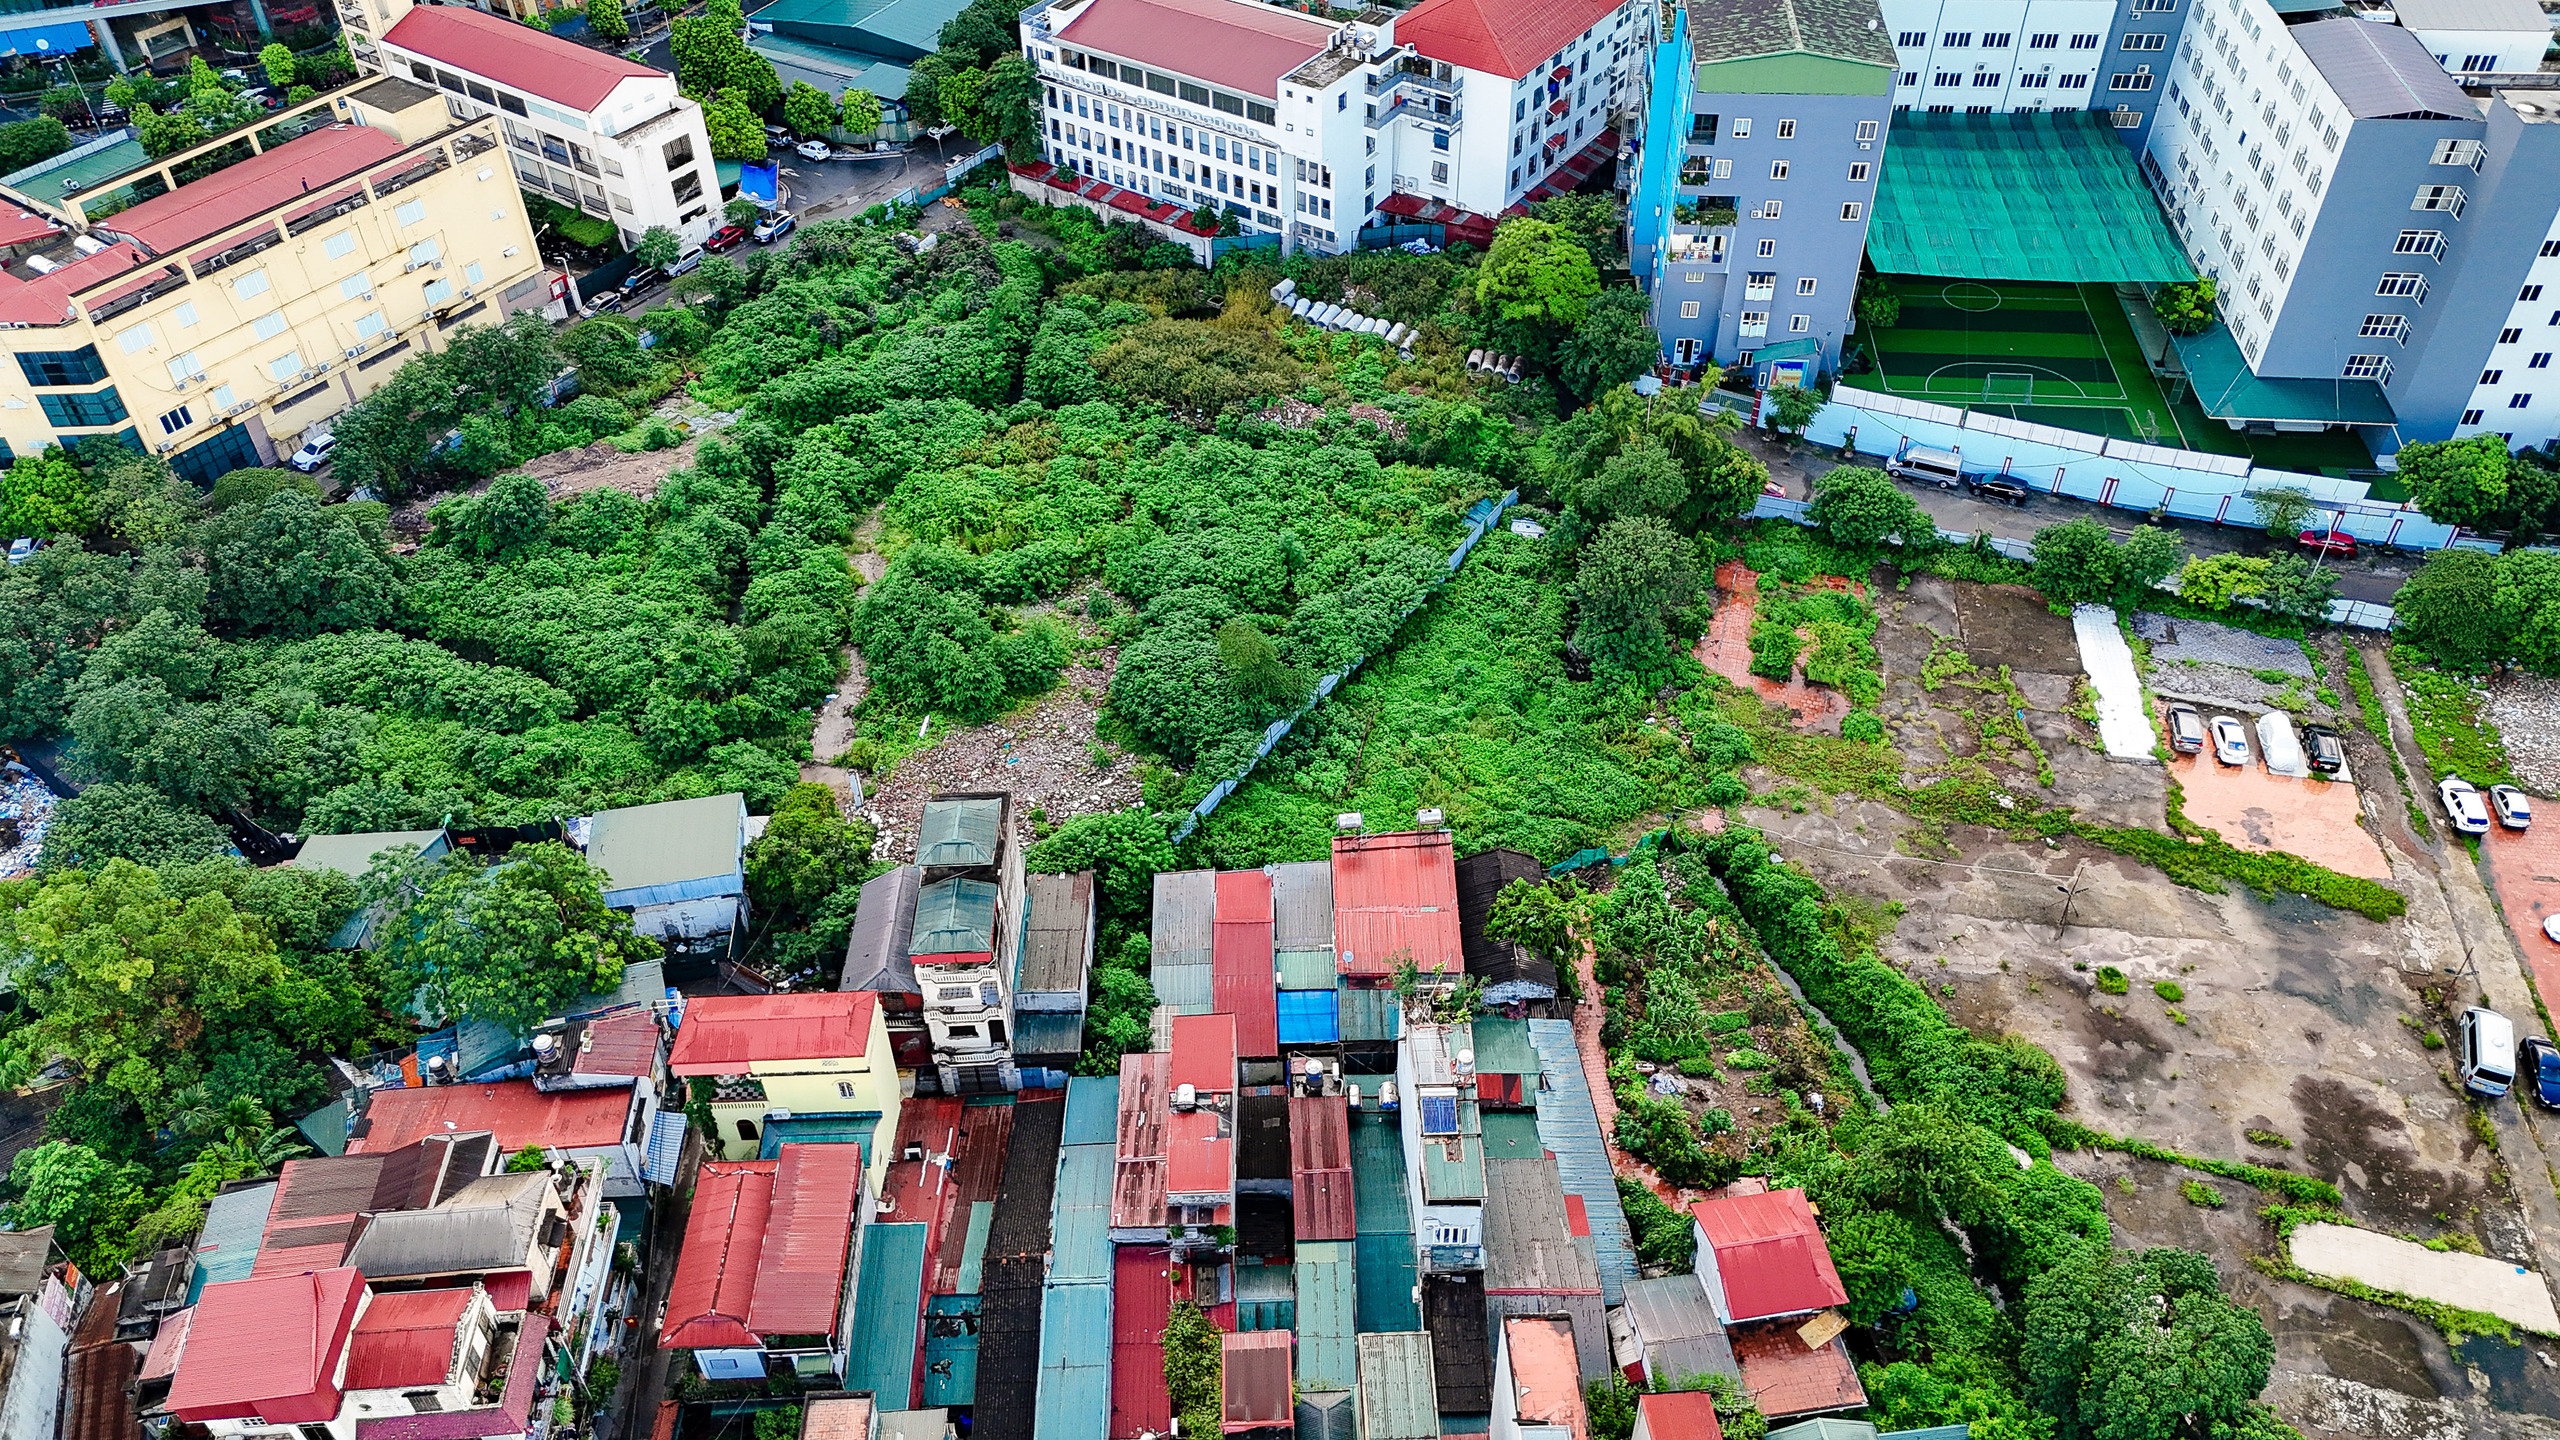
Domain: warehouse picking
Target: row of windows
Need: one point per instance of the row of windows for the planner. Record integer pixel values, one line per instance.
(1703, 129)
(1257, 111)
(2001, 40)
(1991, 79)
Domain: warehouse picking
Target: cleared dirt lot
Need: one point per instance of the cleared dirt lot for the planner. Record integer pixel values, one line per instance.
(1726, 650)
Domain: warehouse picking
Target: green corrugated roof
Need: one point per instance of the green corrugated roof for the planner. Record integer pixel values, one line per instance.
(1386, 1282)
(1370, 1015)
(959, 832)
(954, 916)
(1502, 1047)
(640, 846)
(831, 68)
(1512, 1135)
(897, 29)
(1453, 1165)
(973, 1248)
(1306, 969)
(1399, 1395)
(1377, 1172)
(1328, 1358)
(2228, 390)
(2031, 195)
(887, 1309)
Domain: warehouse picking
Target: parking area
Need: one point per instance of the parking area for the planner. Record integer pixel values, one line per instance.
(2524, 871)
(2321, 820)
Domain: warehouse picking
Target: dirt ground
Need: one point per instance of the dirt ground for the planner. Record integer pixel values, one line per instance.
(1726, 650)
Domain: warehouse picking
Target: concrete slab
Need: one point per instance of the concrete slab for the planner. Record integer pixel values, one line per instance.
(2387, 1262)
(2124, 726)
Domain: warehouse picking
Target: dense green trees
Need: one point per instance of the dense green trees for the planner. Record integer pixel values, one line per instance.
(2120, 1346)
(1862, 508)
(1537, 273)
(712, 56)
(506, 942)
(2081, 561)
(44, 495)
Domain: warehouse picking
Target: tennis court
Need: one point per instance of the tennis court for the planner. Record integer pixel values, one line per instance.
(2060, 355)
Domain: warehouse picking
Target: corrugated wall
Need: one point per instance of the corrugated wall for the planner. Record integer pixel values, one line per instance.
(1569, 1125)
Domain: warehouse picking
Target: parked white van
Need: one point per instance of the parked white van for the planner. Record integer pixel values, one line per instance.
(1942, 468)
(2485, 1052)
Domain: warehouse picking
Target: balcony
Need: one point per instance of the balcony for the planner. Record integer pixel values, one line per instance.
(1415, 80)
(433, 162)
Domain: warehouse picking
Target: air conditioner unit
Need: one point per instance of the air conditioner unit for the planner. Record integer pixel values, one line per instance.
(468, 292)
(435, 264)
(409, 266)
(164, 447)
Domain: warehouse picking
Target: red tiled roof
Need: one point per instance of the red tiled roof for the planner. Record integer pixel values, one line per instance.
(1240, 977)
(1678, 1415)
(512, 1110)
(267, 1348)
(1137, 1182)
(1320, 1168)
(1510, 38)
(1396, 896)
(800, 1267)
(516, 56)
(1255, 1381)
(715, 1280)
(238, 193)
(1204, 1052)
(727, 1034)
(1141, 1299)
(1240, 44)
(1546, 1379)
(1198, 1160)
(1769, 1254)
(405, 1340)
(1784, 1378)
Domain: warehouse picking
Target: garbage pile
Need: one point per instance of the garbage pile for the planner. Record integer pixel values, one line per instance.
(1329, 316)
(26, 811)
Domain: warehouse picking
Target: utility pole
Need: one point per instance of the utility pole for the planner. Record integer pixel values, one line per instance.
(2070, 893)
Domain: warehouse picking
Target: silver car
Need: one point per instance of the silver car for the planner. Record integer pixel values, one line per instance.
(2512, 806)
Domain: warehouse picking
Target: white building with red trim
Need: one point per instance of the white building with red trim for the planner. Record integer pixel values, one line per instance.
(1455, 112)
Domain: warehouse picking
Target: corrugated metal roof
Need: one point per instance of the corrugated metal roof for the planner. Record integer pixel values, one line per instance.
(1266, 1296)
(1528, 1242)
(1302, 905)
(1388, 1273)
(1377, 1173)
(1200, 1156)
(1057, 936)
(1453, 1165)
(1769, 1254)
(1080, 1217)
(2381, 72)
(268, 1347)
(884, 922)
(512, 1110)
(1137, 1185)
(1511, 1135)
(1256, 1380)
(489, 1225)
(727, 1034)
(1826, 1429)
(1783, 1378)
(1075, 1372)
(954, 917)
(715, 1279)
(1186, 905)
(1309, 1017)
(1398, 1398)
(1570, 1127)
(674, 843)
(235, 1224)
(1241, 965)
(352, 855)
(1141, 1299)
(1204, 1052)
(1304, 969)
(800, 1266)
(960, 831)
(1502, 1046)
(977, 1176)
(1321, 1191)
(888, 1313)
(1052, 1034)
(1262, 1134)
(1677, 1362)
(1395, 897)
(2513, 16)
(1546, 1376)
(1685, 1415)
(1327, 1415)
(1328, 1314)
(1370, 1016)
(1188, 989)
(1670, 1307)
(857, 1130)
(1481, 877)
(1093, 1111)
(405, 1339)
(950, 1350)
(1461, 1354)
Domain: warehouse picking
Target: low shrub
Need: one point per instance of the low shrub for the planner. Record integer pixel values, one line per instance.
(2112, 981)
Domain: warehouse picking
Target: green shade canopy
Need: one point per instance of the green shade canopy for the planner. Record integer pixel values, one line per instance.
(2227, 390)
(2033, 195)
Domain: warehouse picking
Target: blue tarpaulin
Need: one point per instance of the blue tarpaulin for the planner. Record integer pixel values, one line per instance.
(1310, 1017)
(60, 37)
(756, 182)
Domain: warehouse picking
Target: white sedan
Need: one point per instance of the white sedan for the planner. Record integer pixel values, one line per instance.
(2230, 740)
(2513, 807)
(815, 150)
(2463, 805)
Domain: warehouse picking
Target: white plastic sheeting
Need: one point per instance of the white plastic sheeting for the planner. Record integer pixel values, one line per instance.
(2280, 747)
(2124, 726)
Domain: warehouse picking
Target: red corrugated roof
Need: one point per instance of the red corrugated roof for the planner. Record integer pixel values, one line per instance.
(267, 1348)
(1678, 1415)
(1510, 38)
(800, 1268)
(1141, 1299)
(623, 1044)
(238, 193)
(509, 1290)
(1770, 1254)
(1784, 1378)
(511, 1110)
(1204, 1052)
(1320, 1168)
(1198, 1160)
(977, 1173)
(1241, 979)
(715, 1279)
(1396, 896)
(1577, 1216)
(728, 1034)
(920, 1190)
(512, 1415)
(516, 56)
(47, 301)
(1255, 1380)
(1240, 44)
(1137, 1182)
(406, 1340)
(18, 227)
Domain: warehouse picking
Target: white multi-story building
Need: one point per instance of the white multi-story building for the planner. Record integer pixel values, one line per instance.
(584, 127)
(1307, 127)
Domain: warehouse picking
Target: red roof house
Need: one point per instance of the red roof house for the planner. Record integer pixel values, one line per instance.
(1762, 1257)
(735, 1034)
(1677, 1415)
(1786, 1377)
(1395, 897)
(1242, 981)
(406, 1340)
(715, 1279)
(269, 1348)
(1510, 38)
(532, 61)
(242, 192)
(513, 1111)
(1537, 1376)
(1137, 1180)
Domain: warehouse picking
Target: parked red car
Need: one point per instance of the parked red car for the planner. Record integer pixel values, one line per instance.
(725, 239)
(2332, 542)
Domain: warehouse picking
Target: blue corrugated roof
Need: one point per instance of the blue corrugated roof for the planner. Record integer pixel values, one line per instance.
(950, 1351)
(235, 1225)
(1385, 1281)
(1310, 1017)
(1328, 1353)
(1184, 987)
(1370, 1015)
(1093, 1111)
(1075, 1364)
(1570, 1126)
(887, 1311)
(1080, 1220)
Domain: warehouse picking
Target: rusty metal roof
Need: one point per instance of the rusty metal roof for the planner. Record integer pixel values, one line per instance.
(1302, 905)
(1241, 975)
(1529, 1244)
(1784, 1378)
(715, 1279)
(1137, 1186)
(1395, 897)
(1186, 904)
(1546, 1377)
(1320, 1195)
(1057, 939)
(799, 1279)
(1257, 1380)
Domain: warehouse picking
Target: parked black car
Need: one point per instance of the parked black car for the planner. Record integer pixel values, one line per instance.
(2541, 1062)
(2006, 489)
(2321, 745)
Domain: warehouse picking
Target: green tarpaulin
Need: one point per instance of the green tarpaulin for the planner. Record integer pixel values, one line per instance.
(2033, 195)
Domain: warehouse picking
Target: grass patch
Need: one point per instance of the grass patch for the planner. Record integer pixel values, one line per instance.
(2200, 1194)
(2169, 990)
(2378, 724)
(2445, 711)
(2268, 1138)
(2112, 980)
(2307, 1188)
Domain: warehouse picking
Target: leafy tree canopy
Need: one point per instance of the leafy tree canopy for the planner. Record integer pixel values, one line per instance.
(508, 942)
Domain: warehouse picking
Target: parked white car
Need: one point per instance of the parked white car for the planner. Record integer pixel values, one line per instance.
(2463, 805)
(815, 150)
(2512, 806)
(314, 452)
(2230, 741)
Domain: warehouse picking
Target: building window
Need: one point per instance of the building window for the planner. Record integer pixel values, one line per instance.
(1799, 324)
(1804, 284)
(2147, 40)
(184, 368)
(103, 407)
(2367, 367)
(2385, 327)
(1688, 309)
(2407, 283)
(1858, 173)
(2510, 335)
(2419, 242)
(2471, 417)
(2530, 292)
(1948, 77)
(746, 1130)
(2518, 402)
(678, 152)
(2074, 82)
(284, 367)
(1986, 79)
(177, 420)
(1956, 39)
(184, 314)
(2136, 80)
(1997, 39)
(2045, 41)
(370, 325)
(2447, 198)
(2540, 361)
(1786, 129)
(2465, 153)
(1742, 127)
(688, 186)
(355, 287)
(134, 339)
(424, 253)
(268, 326)
(1777, 169)
(409, 213)
(1852, 210)
(2479, 64)
(250, 286)
(2492, 377)
(1866, 129)
(1912, 40)
(2084, 42)
(1768, 248)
